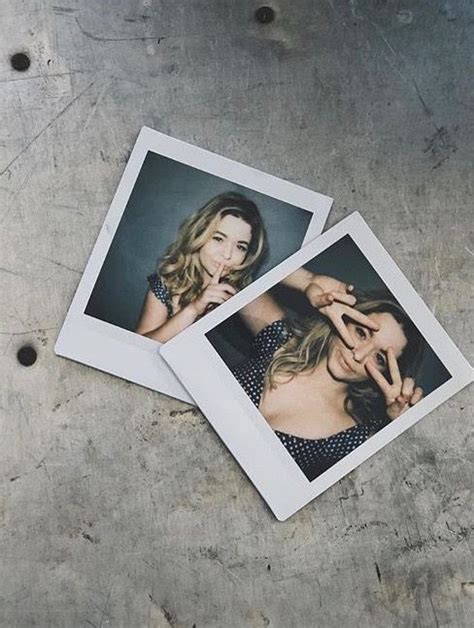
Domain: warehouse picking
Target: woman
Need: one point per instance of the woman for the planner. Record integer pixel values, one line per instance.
(328, 383)
(216, 253)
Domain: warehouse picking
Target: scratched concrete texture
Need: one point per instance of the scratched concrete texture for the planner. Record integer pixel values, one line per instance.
(120, 506)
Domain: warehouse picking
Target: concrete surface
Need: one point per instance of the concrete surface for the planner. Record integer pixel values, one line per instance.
(121, 507)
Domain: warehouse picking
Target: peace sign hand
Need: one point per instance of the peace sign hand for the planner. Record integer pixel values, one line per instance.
(400, 394)
(337, 303)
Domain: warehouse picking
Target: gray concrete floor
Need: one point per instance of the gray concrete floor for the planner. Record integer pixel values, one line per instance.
(121, 507)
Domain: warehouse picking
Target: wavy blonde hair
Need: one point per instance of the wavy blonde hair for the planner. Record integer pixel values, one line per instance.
(312, 339)
(181, 268)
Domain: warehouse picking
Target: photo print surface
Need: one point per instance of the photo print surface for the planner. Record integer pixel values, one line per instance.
(329, 357)
(188, 240)
(187, 230)
(318, 365)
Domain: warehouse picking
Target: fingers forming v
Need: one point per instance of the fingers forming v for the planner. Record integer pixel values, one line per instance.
(379, 379)
(393, 368)
(417, 396)
(361, 318)
(408, 388)
(343, 297)
(343, 331)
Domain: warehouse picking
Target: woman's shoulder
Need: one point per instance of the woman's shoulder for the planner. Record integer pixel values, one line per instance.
(157, 283)
(272, 336)
(160, 290)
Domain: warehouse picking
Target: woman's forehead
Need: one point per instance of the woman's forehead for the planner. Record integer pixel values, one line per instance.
(391, 332)
(234, 226)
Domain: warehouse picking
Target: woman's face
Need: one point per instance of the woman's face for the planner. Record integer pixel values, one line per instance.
(348, 365)
(227, 245)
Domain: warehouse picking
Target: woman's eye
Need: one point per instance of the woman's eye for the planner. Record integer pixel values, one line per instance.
(217, 238)
(361, 332)
(242, 248)
(380, 359)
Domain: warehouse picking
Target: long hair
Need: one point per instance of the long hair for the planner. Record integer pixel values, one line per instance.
(181, 268)
(310, 342)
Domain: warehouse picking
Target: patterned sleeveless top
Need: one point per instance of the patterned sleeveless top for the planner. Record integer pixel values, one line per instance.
(313, 456)
(159, 289)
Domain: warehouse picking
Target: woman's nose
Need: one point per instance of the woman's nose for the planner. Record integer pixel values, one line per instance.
(227, 251)
(360, 354)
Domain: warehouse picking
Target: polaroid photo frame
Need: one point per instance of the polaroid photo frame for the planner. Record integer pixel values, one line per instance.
(165, 181)
(203, 366)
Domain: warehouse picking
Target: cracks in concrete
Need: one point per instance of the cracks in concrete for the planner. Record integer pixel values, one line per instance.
(99, 38)
(49, 125)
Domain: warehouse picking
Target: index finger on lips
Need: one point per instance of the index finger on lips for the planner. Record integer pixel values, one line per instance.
(217, 275)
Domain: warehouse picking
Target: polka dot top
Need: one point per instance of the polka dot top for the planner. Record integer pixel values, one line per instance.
(313, 456)
(159, 289)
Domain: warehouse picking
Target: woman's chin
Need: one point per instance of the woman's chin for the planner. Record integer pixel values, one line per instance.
(341, 375)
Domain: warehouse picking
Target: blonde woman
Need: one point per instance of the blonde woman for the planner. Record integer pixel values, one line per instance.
(328, 383)
(216, 253)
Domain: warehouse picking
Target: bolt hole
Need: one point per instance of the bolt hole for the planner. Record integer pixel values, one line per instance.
(27, 355)
(20, 62)
(265, 15)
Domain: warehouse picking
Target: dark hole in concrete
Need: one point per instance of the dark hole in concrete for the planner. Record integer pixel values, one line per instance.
(265, 15)
(20, 61)
(27, 355)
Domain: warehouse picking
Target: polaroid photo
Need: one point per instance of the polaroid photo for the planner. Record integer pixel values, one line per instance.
(317, 365)
(186, 231)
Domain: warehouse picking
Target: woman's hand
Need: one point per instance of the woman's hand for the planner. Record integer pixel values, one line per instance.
(400, 394)
(214, 294)
(333, 299)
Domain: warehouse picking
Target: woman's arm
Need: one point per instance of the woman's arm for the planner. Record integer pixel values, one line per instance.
(261, 312)
(265, 310)
(154, 322)
(304, 280)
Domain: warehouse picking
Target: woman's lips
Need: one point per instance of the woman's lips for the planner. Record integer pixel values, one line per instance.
(345, 363)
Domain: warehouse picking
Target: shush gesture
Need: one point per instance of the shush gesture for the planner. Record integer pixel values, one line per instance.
(214, 293)
(334, 300)
(400, 394)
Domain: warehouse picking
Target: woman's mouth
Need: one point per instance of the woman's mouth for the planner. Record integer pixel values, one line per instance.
(224, 267)
(345, 364)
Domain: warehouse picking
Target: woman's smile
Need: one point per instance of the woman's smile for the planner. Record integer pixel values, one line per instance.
(345, 363)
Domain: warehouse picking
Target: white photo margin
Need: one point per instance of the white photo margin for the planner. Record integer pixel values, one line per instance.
(239, 423)
(124, 353)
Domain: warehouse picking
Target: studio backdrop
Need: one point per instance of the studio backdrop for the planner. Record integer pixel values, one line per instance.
(165, 194)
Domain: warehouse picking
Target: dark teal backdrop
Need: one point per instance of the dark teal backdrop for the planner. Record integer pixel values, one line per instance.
(165, 193)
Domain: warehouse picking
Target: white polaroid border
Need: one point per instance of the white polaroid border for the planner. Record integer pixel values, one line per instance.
(124, 353)
(239, 423)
